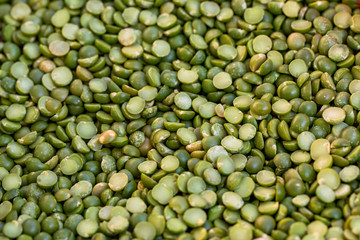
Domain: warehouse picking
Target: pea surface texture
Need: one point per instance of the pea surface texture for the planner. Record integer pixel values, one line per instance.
(179, 119)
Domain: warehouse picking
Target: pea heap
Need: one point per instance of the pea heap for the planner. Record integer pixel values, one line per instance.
(179, 119)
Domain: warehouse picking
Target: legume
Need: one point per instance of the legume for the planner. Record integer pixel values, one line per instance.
(179, 119)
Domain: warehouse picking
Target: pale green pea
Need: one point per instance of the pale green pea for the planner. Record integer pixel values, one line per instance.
(23, 85)
(265, 178)
(81, 189)
(95, 7)
(127, 36)
(197, 102)
(135, 205)
(12, 229)
(329, 177)
(131, 15)
(214, 152)
(47, 179)
(349, 173)
(87, 228)
(169, 163)
(342, 19)
(147, 167)
(69, 31)
(246, 187)
(133, 51)
(232, 144)
(301, 26)
(291, 9)
(222, 80)
(249, 212)
(299, 157)
(354, 225)
(262, 44)
(305, 139)
(276, 58)
(207, 110)
(232, 200)
(60, 18)
(198, 42)
(97, 26)
(98, 85)
(297, 229)
(322, 162)
(226, 52)
(209, 9)
(355, 100)
(186, 136)
(61, 76)
(281, 107)
(301, 200)
(118, 181)
(135, 105)
(86, 130)
(194, 217)
(70, 164)
(247, 132)
(297, 67)
(11, 181)
(354, 86)
(325, 193)
(166, 20)
(334, 115)
(187, 76)
(264, 194)
(337, 129)
(147, 17)
(59, 48)
(118, 224)
(15, 112)
(254, 15)
(317, 227)
(3, 173)
(19, 69)
(196, 185)
(5, 209)
(183, 100)
(162, 193)
(148, 93)
(225, 14)
(145, 230)
(233, 115)
(338, 52)
(225, 164)
(20, 10)
(160, 48)
(319, 147)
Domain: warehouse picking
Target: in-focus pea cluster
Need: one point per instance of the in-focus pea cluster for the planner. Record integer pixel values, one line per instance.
(179, 119)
